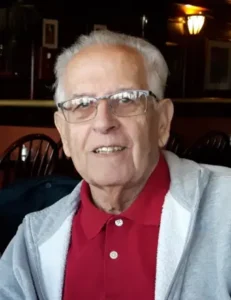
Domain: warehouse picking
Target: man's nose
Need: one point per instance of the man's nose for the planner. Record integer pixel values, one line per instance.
(105, 121)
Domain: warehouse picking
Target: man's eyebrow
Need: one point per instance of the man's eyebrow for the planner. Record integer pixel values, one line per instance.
(74, 96)
(122, 89)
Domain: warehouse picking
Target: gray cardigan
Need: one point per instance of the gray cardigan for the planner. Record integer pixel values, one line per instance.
(194, 247)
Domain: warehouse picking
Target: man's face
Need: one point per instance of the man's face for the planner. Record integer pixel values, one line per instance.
(99, 71)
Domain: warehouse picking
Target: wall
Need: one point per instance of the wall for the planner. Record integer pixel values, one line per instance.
(8, 134)
(192, 128)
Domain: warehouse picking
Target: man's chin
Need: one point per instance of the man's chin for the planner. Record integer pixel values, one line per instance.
(107, 181)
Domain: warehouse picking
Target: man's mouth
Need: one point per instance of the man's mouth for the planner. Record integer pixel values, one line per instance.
(106, 150)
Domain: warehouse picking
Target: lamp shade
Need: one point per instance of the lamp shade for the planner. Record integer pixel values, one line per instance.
(195, 23)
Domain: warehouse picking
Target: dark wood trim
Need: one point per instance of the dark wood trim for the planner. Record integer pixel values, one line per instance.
(40, 113)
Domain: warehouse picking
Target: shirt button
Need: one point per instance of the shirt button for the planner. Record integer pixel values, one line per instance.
(113, 255)
(119, 222)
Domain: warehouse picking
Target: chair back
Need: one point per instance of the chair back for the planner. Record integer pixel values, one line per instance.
(175, 144)
(64, 165)
(30, 156)
(212, 148)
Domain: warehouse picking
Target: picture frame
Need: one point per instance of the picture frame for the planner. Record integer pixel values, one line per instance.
(218, 65)
(50, 34)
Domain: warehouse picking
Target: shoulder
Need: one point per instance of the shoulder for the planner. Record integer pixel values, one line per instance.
(186, 167)
(218, 170)
(42, 224)
(191, 181)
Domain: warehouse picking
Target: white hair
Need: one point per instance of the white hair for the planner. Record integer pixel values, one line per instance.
(157, 69)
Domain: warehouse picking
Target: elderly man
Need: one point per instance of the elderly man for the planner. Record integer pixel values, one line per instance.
(143, 224)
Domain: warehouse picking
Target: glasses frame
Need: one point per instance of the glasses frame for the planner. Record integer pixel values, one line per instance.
(108, 97)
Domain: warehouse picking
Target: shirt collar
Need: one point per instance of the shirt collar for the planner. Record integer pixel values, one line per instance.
(146, 209)
(92, 218)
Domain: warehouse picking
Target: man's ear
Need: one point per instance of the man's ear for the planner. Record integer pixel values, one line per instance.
(166, 110)
(61, 126)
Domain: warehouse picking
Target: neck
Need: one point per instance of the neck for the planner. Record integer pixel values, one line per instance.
(113, 200)
(116, 199)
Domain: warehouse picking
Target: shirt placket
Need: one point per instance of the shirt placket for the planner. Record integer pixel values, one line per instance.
(112, 254)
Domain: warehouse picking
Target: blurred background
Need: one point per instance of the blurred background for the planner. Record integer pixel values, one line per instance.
(32, 32)
(195, 39)
(193, 35)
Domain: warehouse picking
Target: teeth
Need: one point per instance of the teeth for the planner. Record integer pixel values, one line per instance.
(108, 149)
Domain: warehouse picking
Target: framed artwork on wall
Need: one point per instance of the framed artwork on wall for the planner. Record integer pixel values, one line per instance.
(218, 66)
(50, 34)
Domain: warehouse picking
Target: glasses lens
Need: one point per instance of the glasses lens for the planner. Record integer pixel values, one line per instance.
(122, 104)
(79, 109)
(129, 103)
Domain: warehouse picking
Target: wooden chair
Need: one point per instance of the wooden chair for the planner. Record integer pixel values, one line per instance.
(212, 148)
(61, 154)
(175, 144)
(64, 166)
(30, 156)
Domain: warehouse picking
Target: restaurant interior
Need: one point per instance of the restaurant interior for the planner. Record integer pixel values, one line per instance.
(195, 38)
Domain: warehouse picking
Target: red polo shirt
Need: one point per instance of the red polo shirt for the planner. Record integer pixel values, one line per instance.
(114, 256)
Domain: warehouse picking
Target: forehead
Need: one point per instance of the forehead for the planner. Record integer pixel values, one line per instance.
(101, 69)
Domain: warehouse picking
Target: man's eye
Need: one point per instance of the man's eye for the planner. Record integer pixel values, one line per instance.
(77, 104)
(125, 100)
(83, 105)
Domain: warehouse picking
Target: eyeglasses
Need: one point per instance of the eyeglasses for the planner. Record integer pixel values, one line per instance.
(122, 104)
